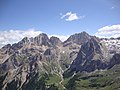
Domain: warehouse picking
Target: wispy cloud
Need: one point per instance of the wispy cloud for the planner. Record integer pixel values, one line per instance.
(14, 36)
(69, 16)
(112, 7)
(109, 31)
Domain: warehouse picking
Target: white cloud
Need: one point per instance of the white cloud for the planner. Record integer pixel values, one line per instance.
(69, 16)
(109, 31)
(112, 7)
(13, 36)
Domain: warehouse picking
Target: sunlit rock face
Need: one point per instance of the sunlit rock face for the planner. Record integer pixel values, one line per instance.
(32, 57)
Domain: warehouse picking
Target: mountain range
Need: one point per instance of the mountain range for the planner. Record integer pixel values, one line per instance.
(79, 63)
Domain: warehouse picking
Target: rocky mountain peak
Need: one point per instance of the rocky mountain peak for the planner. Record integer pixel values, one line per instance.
(42, 35)
(25, 40)
(90, 57)
(55, 41)
(92, 46)
(84, 33)
(78, 38)
(20, 44)
(6, 46)
(41, 39)
(21, 62)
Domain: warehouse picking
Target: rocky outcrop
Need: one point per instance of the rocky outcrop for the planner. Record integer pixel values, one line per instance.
(90, 57)
(21, 62)
(114, 60)
(55, 41)
(41, 39)
(78, 38)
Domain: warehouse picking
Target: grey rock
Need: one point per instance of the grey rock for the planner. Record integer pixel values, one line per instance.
(90, 57)
(41, 39)
(26, 59)
(78, 38)
(55, 41)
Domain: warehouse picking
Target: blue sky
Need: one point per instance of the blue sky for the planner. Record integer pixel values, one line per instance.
(50, 16)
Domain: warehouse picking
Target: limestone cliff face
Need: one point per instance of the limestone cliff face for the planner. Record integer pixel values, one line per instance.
(30, 57)
(78, 38)
(91, 57)
(55, 41)
(41, 39)
(26, 60)
(115, 60)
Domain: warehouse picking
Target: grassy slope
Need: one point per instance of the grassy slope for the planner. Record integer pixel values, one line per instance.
(99, 80)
